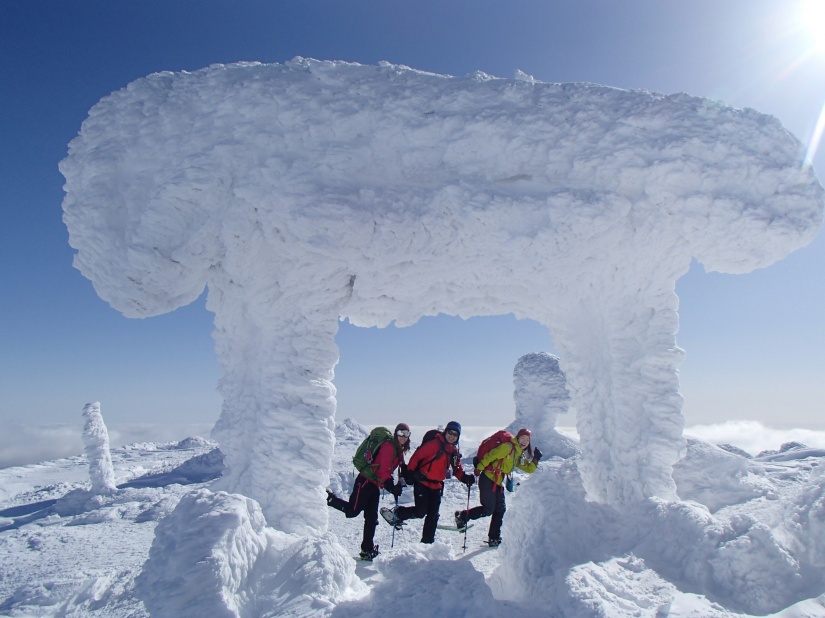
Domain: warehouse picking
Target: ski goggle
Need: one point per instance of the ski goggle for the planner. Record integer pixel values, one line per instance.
(451, 432)
(404, 433)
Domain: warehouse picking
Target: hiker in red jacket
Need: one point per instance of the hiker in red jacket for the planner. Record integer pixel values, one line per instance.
(366, 492)
(428, 469)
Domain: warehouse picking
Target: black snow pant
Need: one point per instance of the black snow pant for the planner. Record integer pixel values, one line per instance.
(492, 503)
(427, 505)
(364, 498)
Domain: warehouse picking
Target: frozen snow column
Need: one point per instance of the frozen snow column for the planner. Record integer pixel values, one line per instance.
(96, 445)
(540, 395)
(277, 351)
(304, 192)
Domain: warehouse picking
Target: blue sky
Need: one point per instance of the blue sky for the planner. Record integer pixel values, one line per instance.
(755, 343)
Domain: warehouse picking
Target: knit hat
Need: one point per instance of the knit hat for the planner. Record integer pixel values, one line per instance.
(453, 426)
(524, 432)
(401, 427)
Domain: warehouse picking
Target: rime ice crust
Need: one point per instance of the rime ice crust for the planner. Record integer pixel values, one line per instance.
(302, 192)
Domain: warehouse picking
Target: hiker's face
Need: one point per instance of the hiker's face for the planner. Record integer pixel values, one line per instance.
(451, 436)
(524, 441)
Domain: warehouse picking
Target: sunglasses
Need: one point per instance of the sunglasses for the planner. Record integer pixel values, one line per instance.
(403, 433)
(452, 432)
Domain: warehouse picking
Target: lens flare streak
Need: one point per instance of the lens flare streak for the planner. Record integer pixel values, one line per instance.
(816, 137)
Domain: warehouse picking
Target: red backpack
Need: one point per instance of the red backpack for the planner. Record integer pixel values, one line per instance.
(491, 442)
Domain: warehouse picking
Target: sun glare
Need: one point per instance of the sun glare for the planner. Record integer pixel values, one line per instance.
(812, 18)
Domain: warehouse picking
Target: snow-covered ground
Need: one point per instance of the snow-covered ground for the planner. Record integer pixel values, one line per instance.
(748, 539)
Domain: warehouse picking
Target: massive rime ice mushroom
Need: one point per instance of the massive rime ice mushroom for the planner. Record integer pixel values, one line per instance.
(303, 192)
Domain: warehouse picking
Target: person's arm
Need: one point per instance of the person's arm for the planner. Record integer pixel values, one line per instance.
(462, 475)
(532, 465)
(499, 452)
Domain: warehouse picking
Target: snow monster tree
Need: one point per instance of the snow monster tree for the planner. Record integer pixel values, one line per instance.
(301, 193)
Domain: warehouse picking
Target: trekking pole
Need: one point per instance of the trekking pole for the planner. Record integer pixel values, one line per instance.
(394, 521)
(466, 523)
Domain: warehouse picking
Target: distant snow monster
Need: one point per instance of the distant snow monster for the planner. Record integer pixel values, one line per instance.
(96, 445)
(540, 394)
(304, 192)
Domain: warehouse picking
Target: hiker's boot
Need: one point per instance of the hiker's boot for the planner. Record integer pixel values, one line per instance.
(460, 521)
(369, 555)
(494, 542)
(330, 497)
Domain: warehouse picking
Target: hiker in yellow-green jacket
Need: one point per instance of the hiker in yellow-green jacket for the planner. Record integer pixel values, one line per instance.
(492, 469)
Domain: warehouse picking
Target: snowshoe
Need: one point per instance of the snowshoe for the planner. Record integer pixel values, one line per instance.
(493, 542)
(390, 517)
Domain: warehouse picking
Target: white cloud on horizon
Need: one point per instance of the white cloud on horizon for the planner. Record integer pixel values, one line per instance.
(754, 437)
(22, 444)
(28, 444)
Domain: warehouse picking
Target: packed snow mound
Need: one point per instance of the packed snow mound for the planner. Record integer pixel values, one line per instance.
(715, 477)
(636, 557)
(214, 556)
(303, 192)
(790, 451)
(407, 586)
(198, 469)
(350, 430)
(193, 442)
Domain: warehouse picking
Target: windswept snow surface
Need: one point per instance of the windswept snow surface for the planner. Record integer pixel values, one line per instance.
(303, 192)
(186, 550)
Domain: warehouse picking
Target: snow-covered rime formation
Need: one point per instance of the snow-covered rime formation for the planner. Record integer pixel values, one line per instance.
(540, 394)
(214, 556)
(303, 192)
(96, 445)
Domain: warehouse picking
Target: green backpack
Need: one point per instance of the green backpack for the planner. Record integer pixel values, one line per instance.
(368, 449)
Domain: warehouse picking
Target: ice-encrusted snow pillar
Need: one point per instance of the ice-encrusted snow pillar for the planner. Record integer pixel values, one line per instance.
(303, 192)
(96, 445)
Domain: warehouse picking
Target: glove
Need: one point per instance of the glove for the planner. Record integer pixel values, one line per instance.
(477, 471)
(536, 455)
(394, 489)
(468, 479)
(409, 477)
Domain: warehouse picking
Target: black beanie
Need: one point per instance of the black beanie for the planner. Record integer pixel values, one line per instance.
(453, 425)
